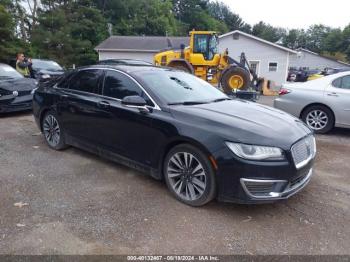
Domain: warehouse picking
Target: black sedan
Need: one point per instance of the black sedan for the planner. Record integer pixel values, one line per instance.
(16, 91)
(177, 127)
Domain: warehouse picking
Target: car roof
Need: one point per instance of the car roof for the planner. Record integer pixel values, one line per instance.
(129, 68)
(124, 61)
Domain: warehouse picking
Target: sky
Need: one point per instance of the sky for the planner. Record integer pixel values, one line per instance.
(293, 13)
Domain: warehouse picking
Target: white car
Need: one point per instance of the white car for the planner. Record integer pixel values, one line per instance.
(321, 103)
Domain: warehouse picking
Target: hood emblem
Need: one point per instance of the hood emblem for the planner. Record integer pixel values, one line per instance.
(15, 93)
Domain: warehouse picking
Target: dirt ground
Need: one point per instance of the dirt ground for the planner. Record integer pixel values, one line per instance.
(79, 203)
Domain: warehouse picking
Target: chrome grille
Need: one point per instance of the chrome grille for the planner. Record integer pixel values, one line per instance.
(299, 179)
(303, 151)
(258, 189)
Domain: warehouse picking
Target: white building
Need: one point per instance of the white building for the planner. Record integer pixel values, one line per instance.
(137, 47)
(268, 59)
(305, 59)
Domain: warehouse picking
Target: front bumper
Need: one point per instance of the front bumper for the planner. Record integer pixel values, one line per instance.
(20, 103)
(254, 182)
(274, 189)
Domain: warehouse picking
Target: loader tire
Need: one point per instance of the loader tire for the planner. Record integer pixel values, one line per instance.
(235, 78)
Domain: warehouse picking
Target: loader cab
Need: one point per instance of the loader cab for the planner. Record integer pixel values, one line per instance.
(205, 43)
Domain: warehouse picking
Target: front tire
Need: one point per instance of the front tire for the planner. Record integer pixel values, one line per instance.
(53, 132)
(319, 118)
(189, 175)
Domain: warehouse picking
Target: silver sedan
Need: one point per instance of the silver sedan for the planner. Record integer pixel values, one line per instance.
(322, 103)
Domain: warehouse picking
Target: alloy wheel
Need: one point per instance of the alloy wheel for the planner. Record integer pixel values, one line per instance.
(51, 130)
(186, 175)
(317, 119)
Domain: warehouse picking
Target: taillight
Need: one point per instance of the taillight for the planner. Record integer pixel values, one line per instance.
(284, 91)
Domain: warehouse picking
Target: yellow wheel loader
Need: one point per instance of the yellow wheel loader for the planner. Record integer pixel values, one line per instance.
(202, 59)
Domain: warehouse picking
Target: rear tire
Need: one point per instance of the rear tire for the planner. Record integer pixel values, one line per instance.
(319, 118)
(235, 78)
(53, 132)
(189, 175)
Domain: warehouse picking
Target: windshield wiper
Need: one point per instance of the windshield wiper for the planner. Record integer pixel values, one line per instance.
(221, 99)
(188, 103)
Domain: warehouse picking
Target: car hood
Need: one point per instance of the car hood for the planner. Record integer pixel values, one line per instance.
(20, 84)
(245, 122)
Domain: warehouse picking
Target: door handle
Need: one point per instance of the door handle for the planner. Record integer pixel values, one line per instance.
(332, 94)
(103, 104)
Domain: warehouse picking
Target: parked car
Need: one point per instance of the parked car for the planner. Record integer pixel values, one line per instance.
(322, 103)
(123, 62)
(327, 71)
(302, 75)
(179, 128)
(45, 69)
(16, 91)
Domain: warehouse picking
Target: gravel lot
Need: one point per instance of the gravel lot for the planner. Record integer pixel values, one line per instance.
(81, 204)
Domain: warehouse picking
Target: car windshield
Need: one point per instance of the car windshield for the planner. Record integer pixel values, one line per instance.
(176, 87)
(7, 72)
(46, 65)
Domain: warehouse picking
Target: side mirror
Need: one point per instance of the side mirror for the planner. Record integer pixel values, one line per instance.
(136, 102)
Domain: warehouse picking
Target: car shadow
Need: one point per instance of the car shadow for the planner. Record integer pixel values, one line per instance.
(159, 185)
(15, 114)
(245, 212)
(340, 131)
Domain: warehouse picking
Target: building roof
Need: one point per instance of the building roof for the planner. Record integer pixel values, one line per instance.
(142, 43)
(259, 40)
(325, 57)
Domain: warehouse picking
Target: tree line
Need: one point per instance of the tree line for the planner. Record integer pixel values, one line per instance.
(68, 30)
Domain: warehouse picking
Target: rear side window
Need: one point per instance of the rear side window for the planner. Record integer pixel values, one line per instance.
(118, 85)
(342, 82)
(345, 83)
(86, 81)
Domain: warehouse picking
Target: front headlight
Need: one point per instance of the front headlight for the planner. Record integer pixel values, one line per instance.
(252, 152)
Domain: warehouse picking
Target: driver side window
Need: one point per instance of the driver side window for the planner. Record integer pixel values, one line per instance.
(118, 85)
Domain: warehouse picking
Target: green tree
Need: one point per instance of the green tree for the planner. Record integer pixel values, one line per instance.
(332, 42)
(6, 35)
(195, 14)
(345, 46)
(268, 32)
(222, 12)
(139, 17)
(316, 35)
(69, 31)
(9, 43)
(295, 38)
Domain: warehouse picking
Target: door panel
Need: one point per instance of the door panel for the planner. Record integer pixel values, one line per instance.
(78, 105)
(130, 132)
(338, 96)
